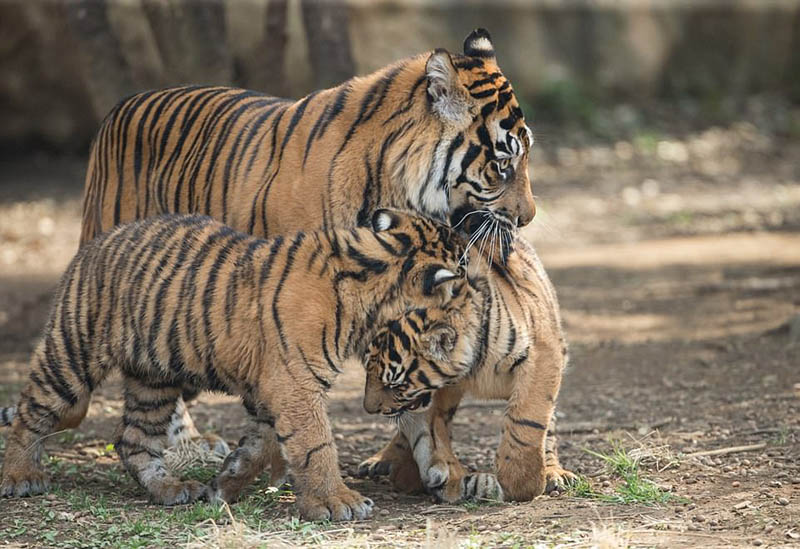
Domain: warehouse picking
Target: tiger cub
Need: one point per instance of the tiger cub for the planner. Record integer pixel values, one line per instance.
(503, 341)
(184, 303)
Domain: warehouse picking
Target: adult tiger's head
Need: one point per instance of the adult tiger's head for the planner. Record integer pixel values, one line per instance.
(486, 162)
(424, 350)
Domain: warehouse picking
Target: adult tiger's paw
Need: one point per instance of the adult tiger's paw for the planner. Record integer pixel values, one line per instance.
(558, 478)
(343, 504)
(22, 483)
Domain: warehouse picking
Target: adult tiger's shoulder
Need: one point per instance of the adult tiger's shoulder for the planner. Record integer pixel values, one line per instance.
(441, 134)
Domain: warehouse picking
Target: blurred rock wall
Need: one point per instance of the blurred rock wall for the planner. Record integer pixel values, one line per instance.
(63, 64)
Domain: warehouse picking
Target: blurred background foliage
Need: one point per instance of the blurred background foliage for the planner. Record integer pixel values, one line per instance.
(597, 68)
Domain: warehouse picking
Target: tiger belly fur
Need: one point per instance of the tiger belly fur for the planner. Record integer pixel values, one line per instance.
(184, 303)
(510, 345)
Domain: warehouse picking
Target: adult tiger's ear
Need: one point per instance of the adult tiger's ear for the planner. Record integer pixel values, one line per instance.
(479, 44)
(383, 220)
(438, 342)
(449, 97)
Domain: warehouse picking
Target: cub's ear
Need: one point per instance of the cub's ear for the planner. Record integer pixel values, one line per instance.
(383, 220)
(448, 95)
(436, 276)
(438, 342)
(479, 44)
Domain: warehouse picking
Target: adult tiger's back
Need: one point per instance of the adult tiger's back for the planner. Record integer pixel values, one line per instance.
(439, 134)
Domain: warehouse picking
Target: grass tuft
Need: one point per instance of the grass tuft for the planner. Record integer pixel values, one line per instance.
(634, 488)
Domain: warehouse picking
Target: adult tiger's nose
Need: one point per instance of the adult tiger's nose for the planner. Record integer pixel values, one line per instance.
(526, 216)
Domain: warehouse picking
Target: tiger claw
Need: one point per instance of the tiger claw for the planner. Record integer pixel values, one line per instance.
(374, 469)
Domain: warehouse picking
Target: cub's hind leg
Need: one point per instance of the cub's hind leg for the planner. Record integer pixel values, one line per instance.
(182, 429)
(55, 398)
(258, 448)
(140, 443)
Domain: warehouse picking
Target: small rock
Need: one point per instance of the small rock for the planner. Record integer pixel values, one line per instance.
(796, 480)
(776, 484)
(555, 494)
(606, 483)
(50, 497)
(742, 504)
(758, 542)
(699, 518)
(783, 501)
(736, 483)
(384, 512)
(727, 469)
(691, 506)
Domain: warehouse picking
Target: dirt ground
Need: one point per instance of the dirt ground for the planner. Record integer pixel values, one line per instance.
(677, 262)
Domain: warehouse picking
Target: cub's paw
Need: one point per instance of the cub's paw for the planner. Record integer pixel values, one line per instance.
(436, 477)
(212, 444)
(374, 467)
(344, 504)
(22, 484)
(179, 493)
(558, 479)
(481, 486)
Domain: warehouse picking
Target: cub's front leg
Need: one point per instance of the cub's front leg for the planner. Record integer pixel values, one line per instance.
(440, 470)
(304, 433)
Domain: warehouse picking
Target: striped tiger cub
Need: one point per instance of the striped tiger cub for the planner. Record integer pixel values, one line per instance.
(441, 134)
(502, 339)
(184, 303)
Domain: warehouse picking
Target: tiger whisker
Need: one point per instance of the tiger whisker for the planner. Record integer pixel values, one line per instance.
(475, 236)
(466, 216)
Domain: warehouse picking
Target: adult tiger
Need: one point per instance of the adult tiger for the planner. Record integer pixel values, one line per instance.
(440, 134)
(178, 300)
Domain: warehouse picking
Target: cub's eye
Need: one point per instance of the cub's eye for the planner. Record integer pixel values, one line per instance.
(504, 164)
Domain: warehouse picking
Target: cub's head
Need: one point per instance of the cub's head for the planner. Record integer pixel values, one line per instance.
(487, 161)
(424, 350)
(429, 254)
